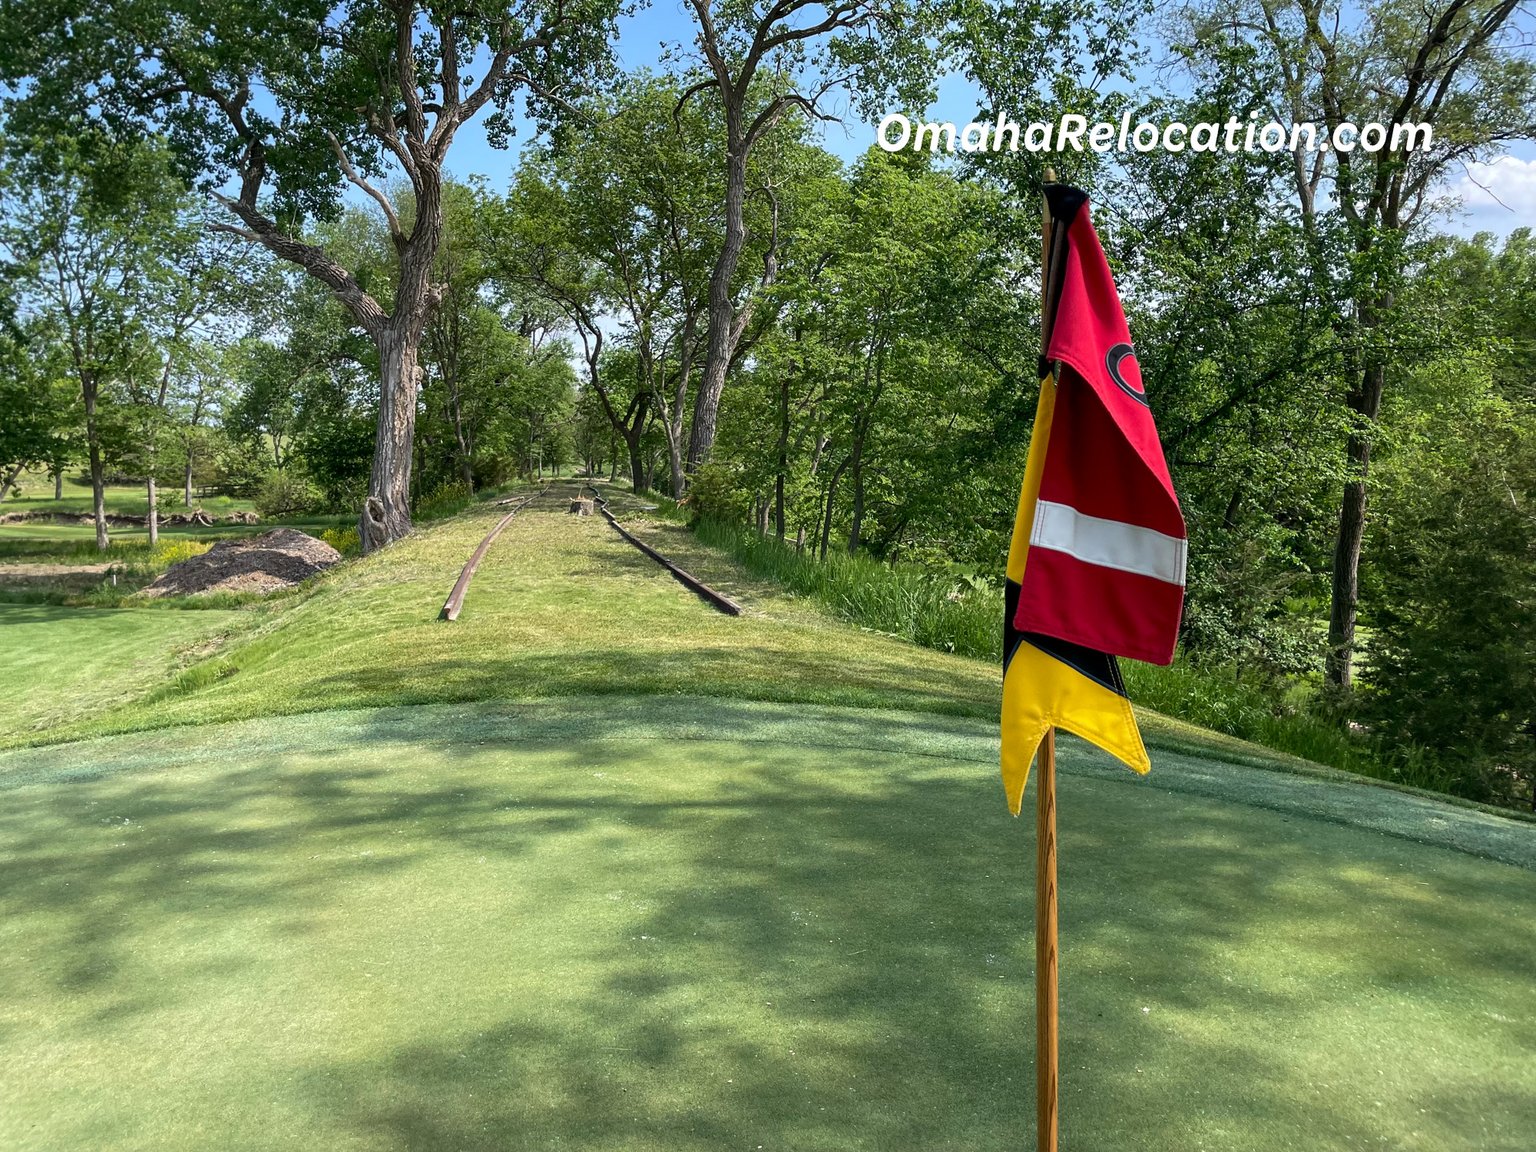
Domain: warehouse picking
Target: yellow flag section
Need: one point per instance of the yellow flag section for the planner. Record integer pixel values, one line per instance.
(1049, 682)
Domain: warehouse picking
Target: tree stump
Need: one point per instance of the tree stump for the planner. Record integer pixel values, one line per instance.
(582, 506)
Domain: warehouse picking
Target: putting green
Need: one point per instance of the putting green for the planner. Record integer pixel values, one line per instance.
(679, 924)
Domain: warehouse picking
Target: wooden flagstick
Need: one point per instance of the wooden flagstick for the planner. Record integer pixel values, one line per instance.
(1046, 1068)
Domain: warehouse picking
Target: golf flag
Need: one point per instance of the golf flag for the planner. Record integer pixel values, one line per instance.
(1096, 566)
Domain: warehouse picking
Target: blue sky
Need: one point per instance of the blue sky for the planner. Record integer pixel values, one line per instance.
(1497, 196)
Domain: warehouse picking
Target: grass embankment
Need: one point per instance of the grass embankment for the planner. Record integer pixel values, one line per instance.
(65, 664)
(563, 607)
(958, 615)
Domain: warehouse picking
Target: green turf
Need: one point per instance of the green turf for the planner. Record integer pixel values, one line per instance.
(695, 924)
(627, 883)
(29, 538)
(63, 663)
(561, 606)
(120, 499)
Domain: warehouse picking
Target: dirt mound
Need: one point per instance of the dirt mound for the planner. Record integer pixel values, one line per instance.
(277, 559)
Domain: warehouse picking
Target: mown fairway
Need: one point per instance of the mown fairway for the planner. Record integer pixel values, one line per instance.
(608, 907)
(63, 664)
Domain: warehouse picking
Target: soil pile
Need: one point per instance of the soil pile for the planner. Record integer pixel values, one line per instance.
(277, 559)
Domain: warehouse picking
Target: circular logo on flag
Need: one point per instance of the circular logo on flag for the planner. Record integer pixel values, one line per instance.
(1120, 361)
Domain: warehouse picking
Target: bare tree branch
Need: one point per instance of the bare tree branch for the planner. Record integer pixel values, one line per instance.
(395, 232)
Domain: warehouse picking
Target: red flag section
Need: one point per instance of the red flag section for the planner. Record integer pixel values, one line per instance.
(1107, 550)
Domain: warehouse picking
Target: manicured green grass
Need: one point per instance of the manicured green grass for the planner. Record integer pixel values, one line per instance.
(62, 664)
(641, 876)
(561, 606)
(121, 499)
(681, 925)
(32, 539)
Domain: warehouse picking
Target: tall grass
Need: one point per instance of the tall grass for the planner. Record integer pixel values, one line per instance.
(448, 499)
(966, 617)
(934, 610)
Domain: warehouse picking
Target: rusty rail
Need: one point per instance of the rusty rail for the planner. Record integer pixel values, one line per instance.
(455, 601)
(687, 579)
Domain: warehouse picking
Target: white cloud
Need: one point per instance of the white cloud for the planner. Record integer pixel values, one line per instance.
(1497, 196)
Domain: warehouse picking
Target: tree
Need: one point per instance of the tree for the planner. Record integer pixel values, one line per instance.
(195, 273)
(93, 231)
(293, 101)
(35, 411)
(760, 63)
(198, 394)
(1462, 66)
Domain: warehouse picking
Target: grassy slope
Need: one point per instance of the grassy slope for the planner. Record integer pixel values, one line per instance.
(691, 925)
(563, 606)
(65, 663)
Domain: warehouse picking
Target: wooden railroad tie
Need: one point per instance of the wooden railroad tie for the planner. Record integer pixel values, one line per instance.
(455, 601)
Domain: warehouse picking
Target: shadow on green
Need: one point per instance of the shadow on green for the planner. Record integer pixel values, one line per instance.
(682, 924)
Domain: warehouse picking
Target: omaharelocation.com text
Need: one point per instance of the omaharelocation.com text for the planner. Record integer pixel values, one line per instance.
(897, 133)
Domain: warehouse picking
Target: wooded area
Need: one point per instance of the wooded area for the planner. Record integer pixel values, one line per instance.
(235, 256)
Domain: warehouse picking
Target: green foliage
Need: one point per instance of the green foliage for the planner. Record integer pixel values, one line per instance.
(448, 499)
(336, 450)
(1451, 663)
(170, 551)
(284, 493)
(344, 540)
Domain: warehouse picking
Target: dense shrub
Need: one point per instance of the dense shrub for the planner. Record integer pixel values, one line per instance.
(344, 540)
(1451, 664)
(284, 494)
(447, 499)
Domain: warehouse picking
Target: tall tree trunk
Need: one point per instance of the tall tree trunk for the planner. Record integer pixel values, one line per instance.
(98, 470)
(466, 467)
(723, 321)
(826, 526)
(58, 482)
(152, 519)
(675, 472)
(636, 465)
(387, 510)
(186, 481)
(1351, 534)
(781, 468)
(856, 528)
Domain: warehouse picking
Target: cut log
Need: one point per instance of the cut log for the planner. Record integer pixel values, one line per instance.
(581, 506)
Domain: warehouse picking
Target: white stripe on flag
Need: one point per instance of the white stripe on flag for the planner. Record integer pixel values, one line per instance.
(1109, 543)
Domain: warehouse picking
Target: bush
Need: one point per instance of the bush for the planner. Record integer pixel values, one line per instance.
(284, 494)
(344, 540)
(447, 499)
(715, 496)
(169, 552)
(1451, 663)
